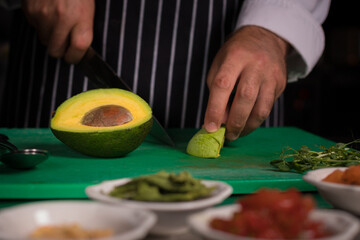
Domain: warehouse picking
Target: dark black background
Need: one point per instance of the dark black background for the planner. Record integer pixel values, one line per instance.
(326, 102)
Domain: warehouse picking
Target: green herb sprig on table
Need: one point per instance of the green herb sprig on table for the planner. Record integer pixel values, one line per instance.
(338, 155)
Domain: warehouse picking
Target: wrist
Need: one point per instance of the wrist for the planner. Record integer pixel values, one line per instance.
(262, 33)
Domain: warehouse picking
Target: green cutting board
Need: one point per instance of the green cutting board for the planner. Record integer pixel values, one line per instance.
(244, 163)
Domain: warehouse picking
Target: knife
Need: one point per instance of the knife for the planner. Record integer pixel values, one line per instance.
(103, 76)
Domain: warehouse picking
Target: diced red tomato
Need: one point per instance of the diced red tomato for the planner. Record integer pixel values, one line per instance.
(273, 214)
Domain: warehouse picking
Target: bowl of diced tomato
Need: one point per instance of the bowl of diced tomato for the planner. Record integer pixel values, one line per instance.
(340, 186)
(274, 214)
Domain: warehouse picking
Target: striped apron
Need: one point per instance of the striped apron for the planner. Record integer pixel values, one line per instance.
(162, 48)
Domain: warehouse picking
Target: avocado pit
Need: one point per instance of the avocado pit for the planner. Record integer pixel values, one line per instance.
(107, 116)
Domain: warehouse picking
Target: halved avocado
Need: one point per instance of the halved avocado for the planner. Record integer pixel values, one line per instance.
(103, 122)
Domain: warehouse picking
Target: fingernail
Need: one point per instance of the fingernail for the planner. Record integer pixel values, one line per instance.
(211, 127)
(231, 136)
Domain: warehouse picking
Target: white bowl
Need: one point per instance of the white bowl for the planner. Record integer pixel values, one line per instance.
(19, 221)
(342, 196)
(343, 225)
(171, 216)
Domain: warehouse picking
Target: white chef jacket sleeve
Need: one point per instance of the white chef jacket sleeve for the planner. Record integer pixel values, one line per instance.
(296, 21)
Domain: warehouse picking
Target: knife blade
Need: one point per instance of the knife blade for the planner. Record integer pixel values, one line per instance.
(103, 76)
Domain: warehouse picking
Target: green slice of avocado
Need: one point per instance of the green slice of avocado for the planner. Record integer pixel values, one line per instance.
(206, 145)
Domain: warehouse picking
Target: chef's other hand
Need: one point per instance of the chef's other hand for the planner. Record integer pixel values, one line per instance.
(64, 26)
(251, 64)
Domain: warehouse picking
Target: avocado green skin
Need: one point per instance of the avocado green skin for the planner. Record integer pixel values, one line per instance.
(112, 144)
(206, 145)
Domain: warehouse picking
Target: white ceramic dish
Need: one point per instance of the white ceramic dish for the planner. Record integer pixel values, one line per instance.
(171, 216)
(344, 225)
(127, 224)
(342, 196)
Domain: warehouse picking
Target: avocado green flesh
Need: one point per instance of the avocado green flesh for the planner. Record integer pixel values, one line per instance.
(206, 145)
(102, 141)
(116, 143)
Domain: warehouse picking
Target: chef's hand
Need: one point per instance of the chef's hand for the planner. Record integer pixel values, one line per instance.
(252, 65)
(64, 26)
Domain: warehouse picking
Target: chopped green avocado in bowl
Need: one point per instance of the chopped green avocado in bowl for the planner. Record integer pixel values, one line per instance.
(163, 187)
(172, 197)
